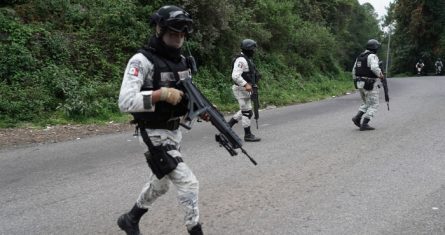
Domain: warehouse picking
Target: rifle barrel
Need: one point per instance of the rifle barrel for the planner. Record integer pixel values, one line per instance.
(250, 158)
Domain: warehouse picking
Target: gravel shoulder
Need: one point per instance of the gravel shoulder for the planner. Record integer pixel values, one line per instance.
(20, 137)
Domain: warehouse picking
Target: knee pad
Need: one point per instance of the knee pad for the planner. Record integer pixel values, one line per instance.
(162, 190)
(247, 114)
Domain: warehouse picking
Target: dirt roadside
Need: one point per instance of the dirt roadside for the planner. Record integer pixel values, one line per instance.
(18, 137)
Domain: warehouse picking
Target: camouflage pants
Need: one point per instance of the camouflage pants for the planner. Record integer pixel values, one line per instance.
(182, 178)
(245, 104)
(370, 99)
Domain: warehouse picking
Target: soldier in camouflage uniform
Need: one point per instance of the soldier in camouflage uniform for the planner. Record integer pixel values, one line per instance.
(366, 72)
(149, 92)
(242, 75)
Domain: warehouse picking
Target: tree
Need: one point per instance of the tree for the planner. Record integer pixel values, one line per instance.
(419, 33)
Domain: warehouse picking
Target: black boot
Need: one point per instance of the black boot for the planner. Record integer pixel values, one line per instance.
(129, 222)
(196, 230)
(356, 119)
(365, 126)
(232, 122)
(249, 137)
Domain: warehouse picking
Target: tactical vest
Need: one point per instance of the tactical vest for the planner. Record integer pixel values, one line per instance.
(166, 74)
(361, 67)
(247, 76)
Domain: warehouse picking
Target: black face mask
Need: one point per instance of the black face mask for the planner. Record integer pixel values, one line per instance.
(170, 53)
(248, 53)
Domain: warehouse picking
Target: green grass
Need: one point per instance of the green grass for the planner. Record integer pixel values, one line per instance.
(277, 92)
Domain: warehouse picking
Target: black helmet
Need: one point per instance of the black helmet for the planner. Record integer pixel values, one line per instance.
(373, 45)
(248, 44)
(173, 18)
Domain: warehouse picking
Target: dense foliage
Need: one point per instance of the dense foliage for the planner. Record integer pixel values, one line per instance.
(419, 33)
(65, 59)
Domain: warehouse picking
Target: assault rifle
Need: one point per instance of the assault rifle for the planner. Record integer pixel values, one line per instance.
(198, 105)
(254, 98)
(385, 84)
(385, 89)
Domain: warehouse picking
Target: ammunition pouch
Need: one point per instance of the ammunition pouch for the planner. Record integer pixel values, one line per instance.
(160, 162)
(369, 83)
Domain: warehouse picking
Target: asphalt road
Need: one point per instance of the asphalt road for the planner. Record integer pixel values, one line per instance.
(316, 174)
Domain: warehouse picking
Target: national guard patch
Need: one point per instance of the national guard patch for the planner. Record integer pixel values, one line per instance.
(135, 68)
(134, 71)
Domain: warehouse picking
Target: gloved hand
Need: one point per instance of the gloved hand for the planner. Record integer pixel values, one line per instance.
(171, 95)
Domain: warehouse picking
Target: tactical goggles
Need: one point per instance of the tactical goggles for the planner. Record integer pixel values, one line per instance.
(180, 25)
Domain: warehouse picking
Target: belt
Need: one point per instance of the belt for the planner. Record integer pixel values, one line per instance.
(169, 125)
(364, 78)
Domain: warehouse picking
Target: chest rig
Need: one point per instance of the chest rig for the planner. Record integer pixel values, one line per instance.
(167, 73)
(250, 75)
(361, 67)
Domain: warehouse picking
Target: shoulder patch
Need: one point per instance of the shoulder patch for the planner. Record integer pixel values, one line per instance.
(135, 68)
(134, 71)
(240, 64)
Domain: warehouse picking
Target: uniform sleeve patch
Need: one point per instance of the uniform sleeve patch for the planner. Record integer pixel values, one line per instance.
(240, 65)
(135, 68)
(134, 71)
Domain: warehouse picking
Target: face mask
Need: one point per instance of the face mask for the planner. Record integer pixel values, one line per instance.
(248, 53)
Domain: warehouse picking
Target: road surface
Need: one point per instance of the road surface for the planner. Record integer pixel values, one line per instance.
(316, 174)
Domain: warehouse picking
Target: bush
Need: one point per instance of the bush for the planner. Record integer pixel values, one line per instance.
(66, 58)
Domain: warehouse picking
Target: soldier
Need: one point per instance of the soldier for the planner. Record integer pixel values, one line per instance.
(439, 66)
(419, 67)
(244, 74)
(365, 73)
(149, 92)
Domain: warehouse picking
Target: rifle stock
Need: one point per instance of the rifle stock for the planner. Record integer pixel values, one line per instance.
(197, 105)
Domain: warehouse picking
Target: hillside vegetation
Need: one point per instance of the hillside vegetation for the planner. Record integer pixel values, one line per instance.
(63, 61)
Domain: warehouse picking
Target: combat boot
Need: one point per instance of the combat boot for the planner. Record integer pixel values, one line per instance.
(356, 119)
(249, 137)
(196, 230)
(232, 122)
(365, 126)
(129, 222)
